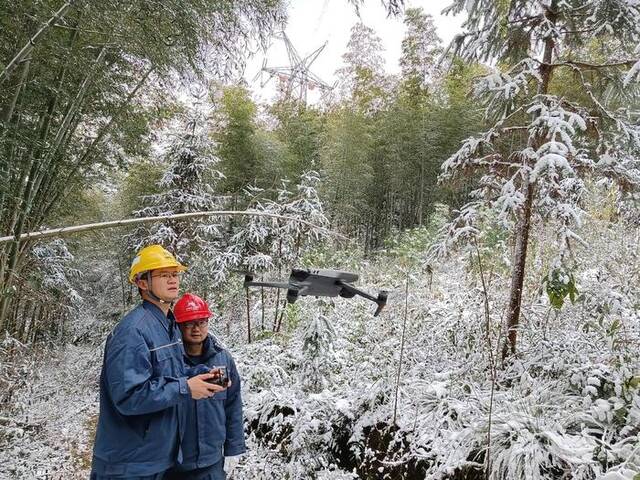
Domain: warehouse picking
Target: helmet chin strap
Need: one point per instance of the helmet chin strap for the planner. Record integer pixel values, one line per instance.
(153, 295)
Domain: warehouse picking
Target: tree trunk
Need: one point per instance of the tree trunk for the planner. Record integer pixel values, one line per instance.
(248, 315)
(518, 273)
(282, 311)
(524, 222)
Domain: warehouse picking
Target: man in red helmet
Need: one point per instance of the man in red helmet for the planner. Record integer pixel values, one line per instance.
(214, 426)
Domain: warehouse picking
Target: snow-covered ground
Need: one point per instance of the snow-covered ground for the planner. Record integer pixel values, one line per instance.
(320, 398)
(48, 426)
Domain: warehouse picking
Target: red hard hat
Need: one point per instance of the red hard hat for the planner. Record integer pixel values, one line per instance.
(190, 307)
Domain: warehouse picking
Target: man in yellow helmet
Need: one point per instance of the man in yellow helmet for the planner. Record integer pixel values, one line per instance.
(144, 385)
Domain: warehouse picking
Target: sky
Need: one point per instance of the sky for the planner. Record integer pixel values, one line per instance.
(314, 22)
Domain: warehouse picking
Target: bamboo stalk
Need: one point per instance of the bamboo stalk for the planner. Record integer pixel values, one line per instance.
(275, 318)
(63, 231)
(48, 182)
(63, 134)
(22, 54)
(282, 312)
(10, 252)
(73, 107)
(7, 113)
(105, 129)
(32, 184)
(262, 303)
(86, 155)
(40, 169)
(402, 339)
(492, 361)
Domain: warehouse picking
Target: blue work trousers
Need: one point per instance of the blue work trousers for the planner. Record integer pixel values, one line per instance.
(157, 476)
(212, 472)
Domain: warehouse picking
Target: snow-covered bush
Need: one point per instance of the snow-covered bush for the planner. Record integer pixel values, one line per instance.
(317, 351)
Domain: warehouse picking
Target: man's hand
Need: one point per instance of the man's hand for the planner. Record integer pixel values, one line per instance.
(218, 374)
(200, 388)
(230, 463)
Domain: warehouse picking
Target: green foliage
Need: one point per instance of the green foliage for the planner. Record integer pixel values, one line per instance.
(292, 316)
(362, 77)
(79, 105)
(264, 335)
(141, 179)
(560, 284)
(345, 154)
(239, 161)
(382, 164)
(410, 245)
(421, 48)
(329, 255)
(83, 206)
(300, 129)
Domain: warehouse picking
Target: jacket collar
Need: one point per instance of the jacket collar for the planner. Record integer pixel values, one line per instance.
(167, 321)
(210, 348)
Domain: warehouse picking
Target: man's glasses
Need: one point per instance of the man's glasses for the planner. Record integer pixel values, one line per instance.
(168, 275)
(200, 324)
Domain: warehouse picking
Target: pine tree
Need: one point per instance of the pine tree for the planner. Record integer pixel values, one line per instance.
(187, 185)
(317, 349)
(543, 146)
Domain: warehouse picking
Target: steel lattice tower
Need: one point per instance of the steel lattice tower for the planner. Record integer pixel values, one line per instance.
(296, 79)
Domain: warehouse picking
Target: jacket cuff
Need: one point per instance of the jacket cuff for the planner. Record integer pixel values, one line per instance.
(184, 387)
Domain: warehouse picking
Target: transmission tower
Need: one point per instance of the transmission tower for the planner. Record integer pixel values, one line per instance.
(295, 80)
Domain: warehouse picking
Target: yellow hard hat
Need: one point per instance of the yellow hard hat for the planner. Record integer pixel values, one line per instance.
(152, 258)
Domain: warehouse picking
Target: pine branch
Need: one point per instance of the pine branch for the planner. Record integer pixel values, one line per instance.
(592, 66)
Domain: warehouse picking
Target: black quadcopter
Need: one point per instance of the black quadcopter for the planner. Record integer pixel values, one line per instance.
(320, 283)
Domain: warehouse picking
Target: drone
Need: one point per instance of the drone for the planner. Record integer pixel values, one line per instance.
(319, 283)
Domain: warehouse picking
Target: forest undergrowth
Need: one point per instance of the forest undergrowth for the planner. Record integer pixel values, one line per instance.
(340, 394)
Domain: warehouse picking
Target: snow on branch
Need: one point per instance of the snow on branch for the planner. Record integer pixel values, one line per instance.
(558, 127)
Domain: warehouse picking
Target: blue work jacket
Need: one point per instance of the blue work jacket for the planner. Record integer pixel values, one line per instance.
(143, 396)
(214, 425)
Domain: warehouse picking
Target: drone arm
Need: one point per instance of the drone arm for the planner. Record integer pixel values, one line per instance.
(380, 300)
(354, 291)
